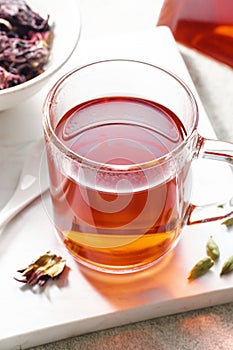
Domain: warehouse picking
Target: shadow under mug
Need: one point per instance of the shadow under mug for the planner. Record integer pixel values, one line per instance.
(120, 138)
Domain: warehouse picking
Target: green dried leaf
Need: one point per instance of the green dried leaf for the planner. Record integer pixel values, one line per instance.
(201, 267)
(212, 249)
(41, 270)
(228, 222)
(227, 266)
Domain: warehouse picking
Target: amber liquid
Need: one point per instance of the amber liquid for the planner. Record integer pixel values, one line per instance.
(118, 219)
(206, 25)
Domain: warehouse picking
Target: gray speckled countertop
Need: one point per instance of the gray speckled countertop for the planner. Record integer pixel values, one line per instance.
(205, 329)
(209, 328)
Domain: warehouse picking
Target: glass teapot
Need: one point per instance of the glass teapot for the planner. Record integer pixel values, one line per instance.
(205, 25)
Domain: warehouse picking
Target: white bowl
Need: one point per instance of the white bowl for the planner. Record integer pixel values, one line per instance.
(65, 17)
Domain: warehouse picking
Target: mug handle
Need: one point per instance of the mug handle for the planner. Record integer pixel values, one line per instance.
(215, 150)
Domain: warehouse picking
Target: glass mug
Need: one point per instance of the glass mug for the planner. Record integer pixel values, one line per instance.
(120, 138)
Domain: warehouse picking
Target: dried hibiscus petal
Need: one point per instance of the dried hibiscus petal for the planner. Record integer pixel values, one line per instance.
(20, 14)
(8, 79)
(25, 42)
(41, 270)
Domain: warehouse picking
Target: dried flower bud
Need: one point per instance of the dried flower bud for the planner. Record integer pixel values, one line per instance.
(212, 249)
(201, 267)
(41, 270)
(228, 223)
(227, 266)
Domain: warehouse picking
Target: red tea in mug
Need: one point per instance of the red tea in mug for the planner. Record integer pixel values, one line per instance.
(115, 217)
(206, 25)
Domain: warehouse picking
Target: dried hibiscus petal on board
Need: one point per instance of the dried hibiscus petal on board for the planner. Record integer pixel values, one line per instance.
(41, 270)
